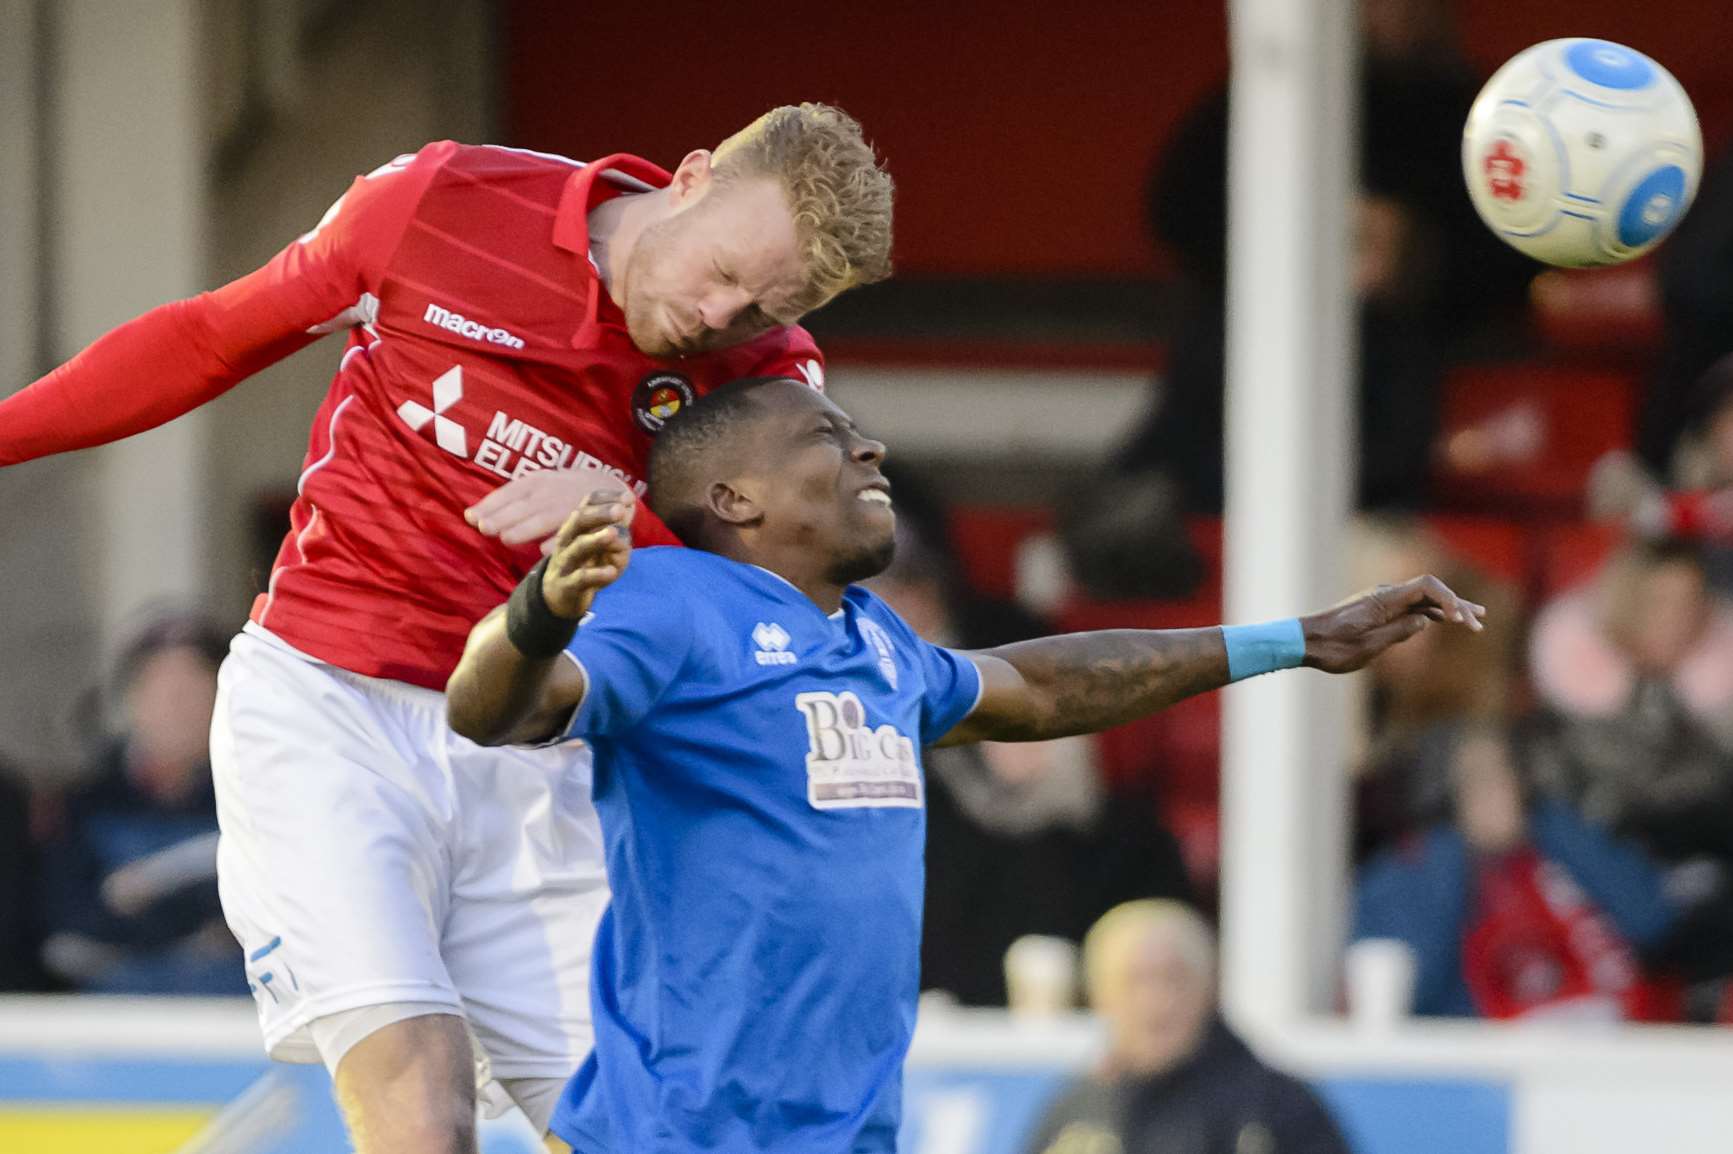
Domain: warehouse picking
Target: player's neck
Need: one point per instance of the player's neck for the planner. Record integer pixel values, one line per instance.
(820, 590)
(827, 595)
(615, 226)
(793, 567)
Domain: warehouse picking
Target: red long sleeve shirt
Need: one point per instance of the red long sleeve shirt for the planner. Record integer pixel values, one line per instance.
(481, 344)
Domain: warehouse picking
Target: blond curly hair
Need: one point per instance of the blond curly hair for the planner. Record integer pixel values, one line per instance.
(839, 194)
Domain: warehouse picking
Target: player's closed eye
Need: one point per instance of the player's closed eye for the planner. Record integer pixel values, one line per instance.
(843, 432)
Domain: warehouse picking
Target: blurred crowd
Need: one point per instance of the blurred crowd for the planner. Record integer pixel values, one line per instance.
(108, 878)
(1543, 813)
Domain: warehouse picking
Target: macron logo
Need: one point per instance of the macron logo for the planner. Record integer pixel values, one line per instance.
(772, 641)
(464, 327)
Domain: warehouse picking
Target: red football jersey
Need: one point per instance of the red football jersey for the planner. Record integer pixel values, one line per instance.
(482, 344)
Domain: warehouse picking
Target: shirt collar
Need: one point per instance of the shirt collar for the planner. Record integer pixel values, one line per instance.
(842, 610)
(593, 184)
(587, 188)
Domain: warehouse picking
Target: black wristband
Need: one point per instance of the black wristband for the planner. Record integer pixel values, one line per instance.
(534, 629)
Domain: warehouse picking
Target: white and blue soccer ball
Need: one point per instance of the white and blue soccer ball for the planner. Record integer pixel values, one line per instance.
(1582, 152)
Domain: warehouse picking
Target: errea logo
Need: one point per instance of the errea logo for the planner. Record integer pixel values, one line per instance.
(772, 641)
(464, 327)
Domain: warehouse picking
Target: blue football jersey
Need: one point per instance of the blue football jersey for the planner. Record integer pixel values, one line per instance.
(758, 776)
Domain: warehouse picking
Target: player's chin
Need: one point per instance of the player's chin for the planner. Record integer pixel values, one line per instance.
(650, 338)
(652, 344)
(871, 555)
(874, 525)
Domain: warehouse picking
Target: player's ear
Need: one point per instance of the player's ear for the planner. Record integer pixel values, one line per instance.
(692, 178)
(733, 507)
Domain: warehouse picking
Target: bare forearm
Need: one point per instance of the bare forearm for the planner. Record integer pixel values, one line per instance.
(497, 695)
(1086, 682)
(513, 684)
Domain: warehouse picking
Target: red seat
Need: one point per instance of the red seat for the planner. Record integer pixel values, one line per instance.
(1192, 613)
(1571, 554)
(1178, 749)
(1198, 828)
(1604, 312)
(1497, 547)
(986, 539)
(1206, 538)
(1521, 437)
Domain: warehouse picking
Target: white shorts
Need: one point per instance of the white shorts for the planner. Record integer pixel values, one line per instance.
(370, 855)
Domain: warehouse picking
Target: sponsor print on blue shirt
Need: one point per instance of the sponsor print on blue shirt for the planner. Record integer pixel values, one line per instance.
(758, 775)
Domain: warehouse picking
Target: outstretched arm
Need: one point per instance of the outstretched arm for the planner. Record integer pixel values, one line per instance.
(513, 685)
(178, 356)
(1084, 682)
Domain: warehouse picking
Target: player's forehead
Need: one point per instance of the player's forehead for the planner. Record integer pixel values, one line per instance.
(756, 241)
(799, 405)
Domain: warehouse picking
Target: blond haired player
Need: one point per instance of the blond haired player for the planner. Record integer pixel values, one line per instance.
(518, 327)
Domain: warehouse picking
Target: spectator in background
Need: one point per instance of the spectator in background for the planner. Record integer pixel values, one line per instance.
(1425, 270)
(1437, 679)
(1696, 275)
(1021, 839)
(1695, 501)
(129, 885)
(1638, 666)
(1176, 1079)
(20, 927)
(1516, 907)
(1415, 91)
(1399, 374)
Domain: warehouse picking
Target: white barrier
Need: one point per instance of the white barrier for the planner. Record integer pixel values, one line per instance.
(1572, 1089)
(977, 1079)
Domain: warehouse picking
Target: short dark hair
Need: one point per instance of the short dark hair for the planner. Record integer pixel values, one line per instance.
(685, 444)
(171, 629)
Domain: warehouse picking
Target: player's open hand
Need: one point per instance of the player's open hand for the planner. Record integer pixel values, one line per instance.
(1346, 637)
(534, 506)
(589, 553)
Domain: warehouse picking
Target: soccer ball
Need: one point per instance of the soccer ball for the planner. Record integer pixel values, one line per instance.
(1582, 152)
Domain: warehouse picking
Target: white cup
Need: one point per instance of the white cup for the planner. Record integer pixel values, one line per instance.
(1380, 976)
(1040, 976)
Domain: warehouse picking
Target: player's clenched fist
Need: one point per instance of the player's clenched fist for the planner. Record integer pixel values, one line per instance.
(590, 552)
(1346, 637)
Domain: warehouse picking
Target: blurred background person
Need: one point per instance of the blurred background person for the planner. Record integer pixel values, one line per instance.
(1021, 838)
(1638, 667)
(129, 883)
(1443, 681)
(1176, 1079)
(1400, 367)
(1416, 86)
(20, 921)
(1428, 277)
(1695, 271)
(1513, 905)
(1692, 497)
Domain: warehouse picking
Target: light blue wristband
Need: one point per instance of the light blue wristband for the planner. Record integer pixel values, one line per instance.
(1255, 649)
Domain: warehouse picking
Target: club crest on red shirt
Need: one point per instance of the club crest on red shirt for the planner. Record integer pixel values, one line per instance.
(658, 397)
